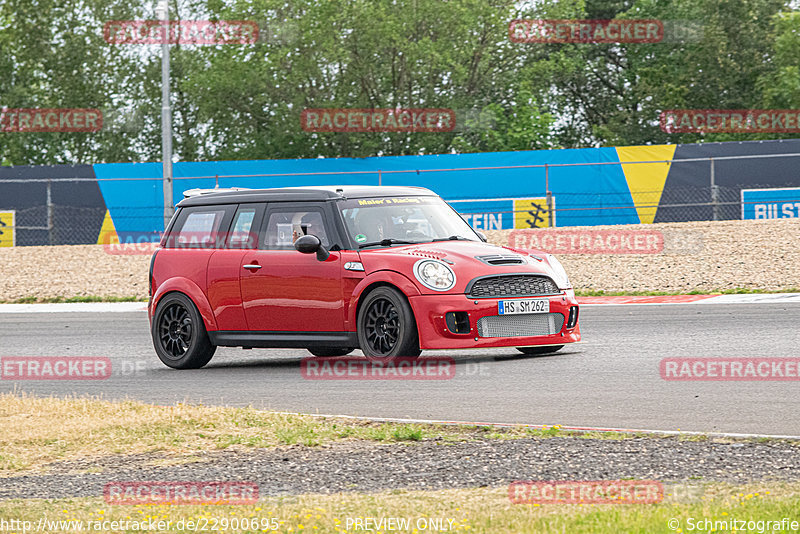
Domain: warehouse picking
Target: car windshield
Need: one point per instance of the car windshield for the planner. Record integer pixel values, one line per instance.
(390, 220)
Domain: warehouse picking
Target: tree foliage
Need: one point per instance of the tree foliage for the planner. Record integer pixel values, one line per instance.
(244, 101)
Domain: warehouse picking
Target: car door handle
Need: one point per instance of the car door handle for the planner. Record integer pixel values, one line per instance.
(252, 266)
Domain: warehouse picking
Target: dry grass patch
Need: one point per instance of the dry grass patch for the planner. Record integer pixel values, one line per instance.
(38, 431)
(472, 510)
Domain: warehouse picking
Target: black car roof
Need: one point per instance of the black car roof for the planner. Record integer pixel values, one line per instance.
(301, 194)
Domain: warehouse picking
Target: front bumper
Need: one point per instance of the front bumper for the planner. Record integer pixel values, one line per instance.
(430, 311)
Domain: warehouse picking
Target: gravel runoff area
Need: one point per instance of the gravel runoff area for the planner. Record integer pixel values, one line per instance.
(696, 256)
(428, 465)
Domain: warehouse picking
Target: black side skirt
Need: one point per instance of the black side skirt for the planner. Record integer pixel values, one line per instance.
(283, 340)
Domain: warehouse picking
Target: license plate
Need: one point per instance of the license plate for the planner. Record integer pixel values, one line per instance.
(519, 306)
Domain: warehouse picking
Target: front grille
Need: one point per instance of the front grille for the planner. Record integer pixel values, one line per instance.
(517, 285)
(532, 324)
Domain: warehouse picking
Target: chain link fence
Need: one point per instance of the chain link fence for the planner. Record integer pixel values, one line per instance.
(693, 195)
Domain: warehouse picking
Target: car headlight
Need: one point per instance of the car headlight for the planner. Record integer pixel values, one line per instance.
(435, 275)
(559, 273)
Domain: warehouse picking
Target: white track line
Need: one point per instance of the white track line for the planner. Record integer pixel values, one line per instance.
(76, 307)
(667, 300)
(753, 298)
(580, 429)
(127, 307)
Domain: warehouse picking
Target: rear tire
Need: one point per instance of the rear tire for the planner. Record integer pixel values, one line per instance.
(386, 326)
(533, 351)
(179, 333)
(329, 352)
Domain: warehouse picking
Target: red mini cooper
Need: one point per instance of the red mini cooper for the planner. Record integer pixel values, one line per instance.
(388, 270)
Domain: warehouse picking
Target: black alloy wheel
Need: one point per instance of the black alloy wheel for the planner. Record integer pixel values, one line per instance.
(386, 326)
(382, 326)
(179, 334)
(175, 331)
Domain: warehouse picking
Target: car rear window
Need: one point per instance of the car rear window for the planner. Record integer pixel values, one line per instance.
(200, 227)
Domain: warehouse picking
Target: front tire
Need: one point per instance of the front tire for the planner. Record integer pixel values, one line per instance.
(386, 326)
(533, 351)
(179, 333)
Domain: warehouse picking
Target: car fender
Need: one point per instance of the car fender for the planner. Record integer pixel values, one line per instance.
(393, 278)
(191, 290)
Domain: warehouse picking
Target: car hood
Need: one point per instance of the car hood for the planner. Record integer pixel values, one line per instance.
(468, 259)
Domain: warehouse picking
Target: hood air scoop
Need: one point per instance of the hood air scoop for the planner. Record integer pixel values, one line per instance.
(501, 259)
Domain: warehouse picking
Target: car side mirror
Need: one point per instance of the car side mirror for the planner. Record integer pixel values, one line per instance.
(482, 236)
(310, 244)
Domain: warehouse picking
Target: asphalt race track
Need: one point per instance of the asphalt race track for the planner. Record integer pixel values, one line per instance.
(611, 379)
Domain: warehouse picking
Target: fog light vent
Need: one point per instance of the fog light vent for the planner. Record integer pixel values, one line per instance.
(457, 322)
(573, 317)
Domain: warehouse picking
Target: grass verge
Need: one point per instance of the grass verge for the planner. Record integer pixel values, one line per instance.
(472, 510)
(38, 431)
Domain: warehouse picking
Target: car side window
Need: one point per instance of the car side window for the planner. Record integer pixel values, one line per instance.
(285, 226)
(200, 227)
(244, 230)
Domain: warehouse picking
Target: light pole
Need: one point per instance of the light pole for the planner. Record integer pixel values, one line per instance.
(162, 12)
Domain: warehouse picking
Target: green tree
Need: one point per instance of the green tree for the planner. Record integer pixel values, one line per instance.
(781, 86)
(54, 56)
(713, 54)
(366, 54)
(243, 101)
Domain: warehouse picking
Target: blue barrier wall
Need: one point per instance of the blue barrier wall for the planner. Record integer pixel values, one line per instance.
(135, 205)
(590, 186)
